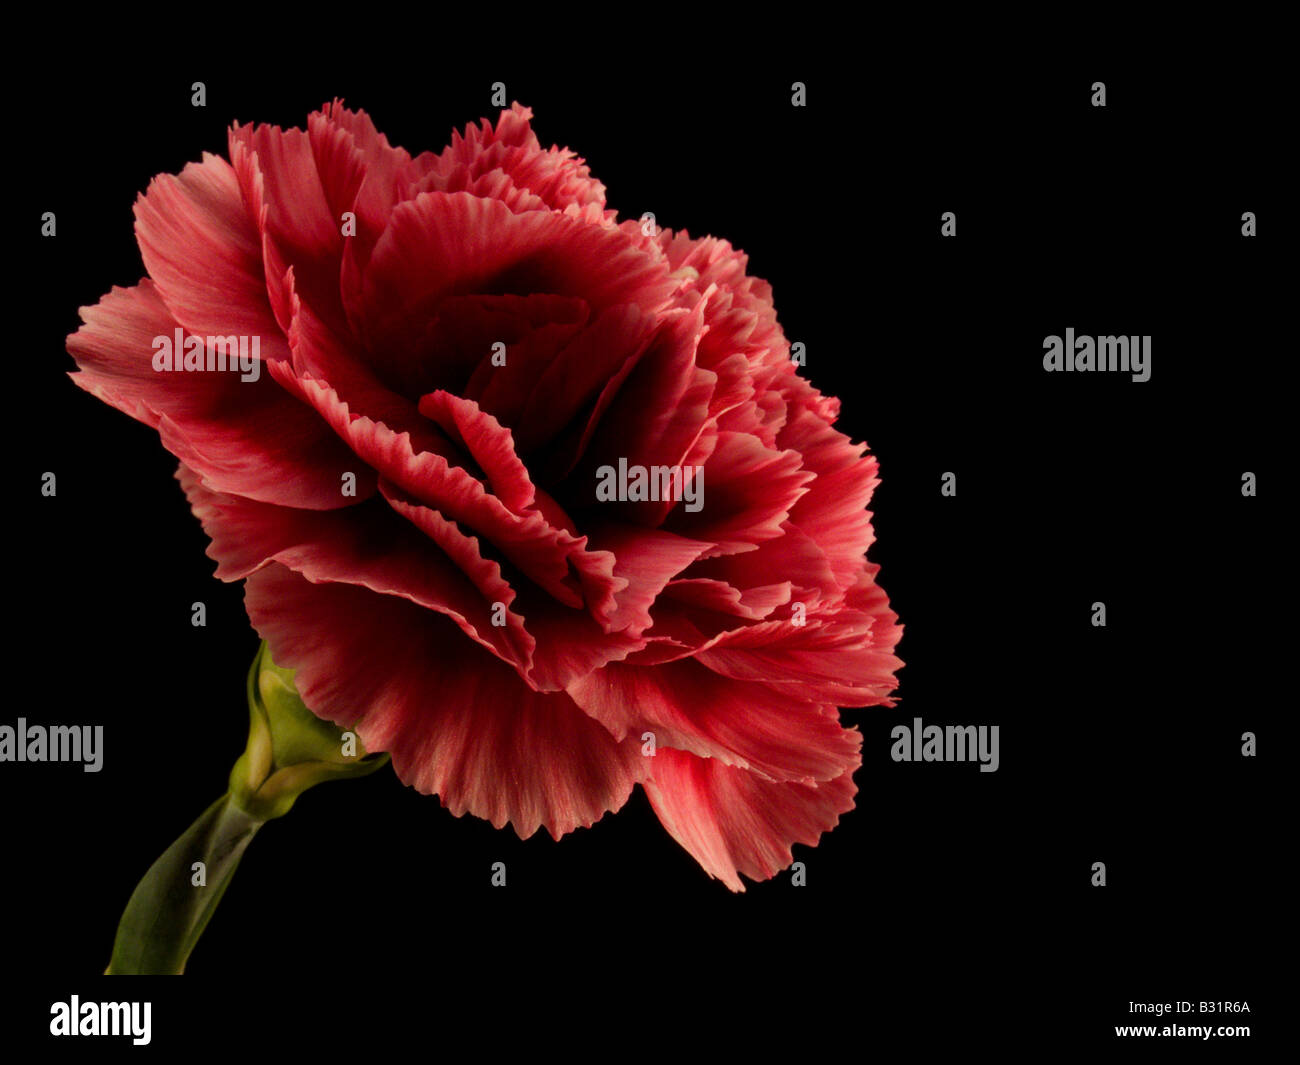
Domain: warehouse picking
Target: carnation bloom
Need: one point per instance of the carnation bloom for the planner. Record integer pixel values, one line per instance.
(452, 347)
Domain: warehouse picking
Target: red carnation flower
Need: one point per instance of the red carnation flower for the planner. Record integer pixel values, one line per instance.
(452, 357)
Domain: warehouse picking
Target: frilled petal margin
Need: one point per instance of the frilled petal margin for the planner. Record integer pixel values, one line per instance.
(745, 724)
(458, 722)
(249, 438)
(734, 822)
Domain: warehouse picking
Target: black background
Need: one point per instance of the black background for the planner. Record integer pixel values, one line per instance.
(949, 903)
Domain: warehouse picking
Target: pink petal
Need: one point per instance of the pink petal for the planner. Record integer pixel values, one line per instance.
(248, 438)
(367, 546)
(564, 642)
(748, 725)
(793, 556)
(565, 453)
(320, 352)
(753, 604)
(487, 441)
(572, 381)
(557, 177)
(749, 492)
(718, 264)
(360, 171)
(733, 822)
(440, 245)
(657, 418)
(647, 559)
(279, 177)
(453, 350)
(832, 511)
(458, 722)
(203, 252)
(843, 659)
(549, 554)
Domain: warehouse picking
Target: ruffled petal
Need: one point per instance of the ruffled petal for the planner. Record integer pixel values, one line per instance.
(548, 553)
(566, 642)
(748, 493)
(371, 547)
(793, 556)
(733, 822)
(833, 510)
(278, 175)
(748, 725)
(458, 723)
(555, 177)
(488, 442)
(203, 253)
(842, 659)
(441, 245)
(248, 438)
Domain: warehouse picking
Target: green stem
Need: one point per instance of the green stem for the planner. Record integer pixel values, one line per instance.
(289, 750)
(172, 905)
